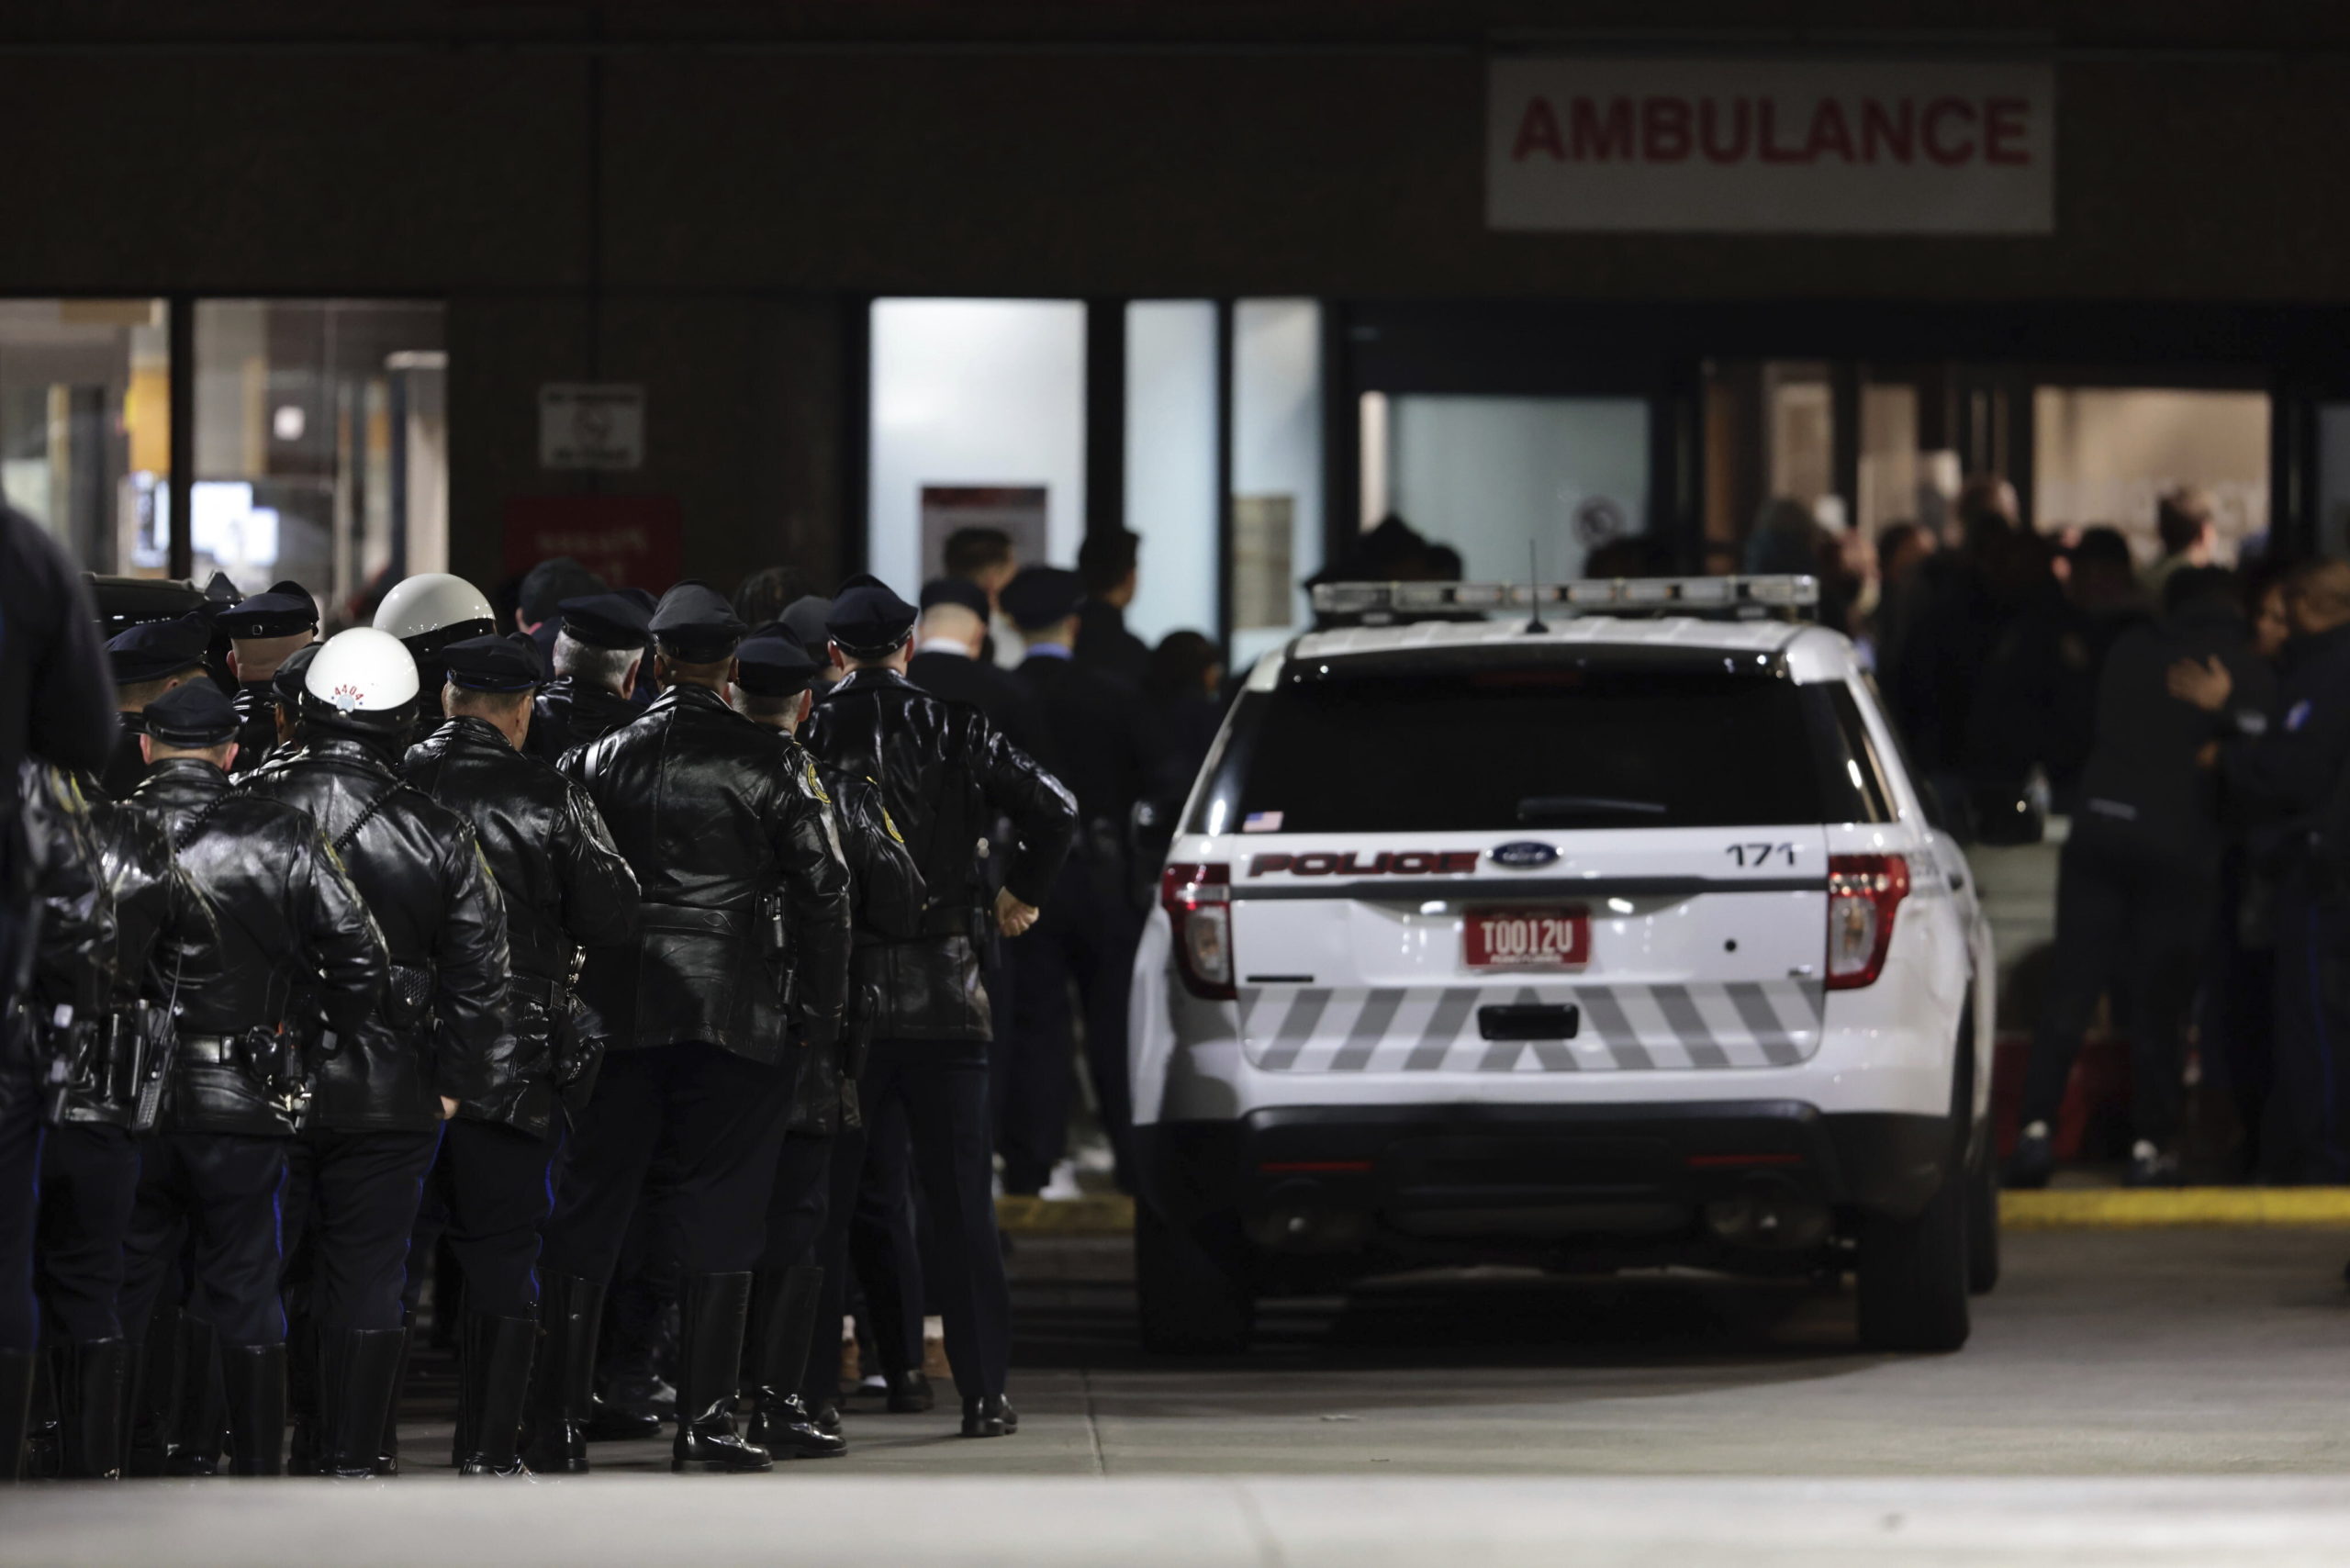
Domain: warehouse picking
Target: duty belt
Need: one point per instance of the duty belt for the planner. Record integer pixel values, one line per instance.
(212, 1050)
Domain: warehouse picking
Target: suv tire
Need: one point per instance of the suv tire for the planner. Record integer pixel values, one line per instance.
(1982, 1222)
(1913, 1273)
(1191, 1301)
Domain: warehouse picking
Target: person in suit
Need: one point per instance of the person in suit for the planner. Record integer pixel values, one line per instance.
(1108, 566)
(1106, 752)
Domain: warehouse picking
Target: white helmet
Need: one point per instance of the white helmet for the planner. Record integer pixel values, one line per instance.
(433, 609)
(359, 673)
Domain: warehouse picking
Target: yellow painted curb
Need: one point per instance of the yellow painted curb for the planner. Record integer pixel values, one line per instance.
(2118, 1208)
(1110, 1214)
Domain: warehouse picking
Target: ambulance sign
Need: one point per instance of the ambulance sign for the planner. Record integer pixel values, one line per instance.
(1600, 145)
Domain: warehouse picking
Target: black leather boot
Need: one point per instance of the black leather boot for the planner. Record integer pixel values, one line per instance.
(306, 1368)
(91, 1399)
(781, 1323)
(710, 1371)
(358, 1384)
(155, 1393)
(252, 1378)
(387, 1447)
(990, 1417)
(16, 1407)
(494, 1382)
(201, 1417)
(563, 1388)
(910, 1394)
(611, 1423)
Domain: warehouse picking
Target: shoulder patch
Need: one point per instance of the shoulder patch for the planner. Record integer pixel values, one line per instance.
(815, 785)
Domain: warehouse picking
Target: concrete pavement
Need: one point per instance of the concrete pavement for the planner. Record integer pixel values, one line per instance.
(2143, 1395)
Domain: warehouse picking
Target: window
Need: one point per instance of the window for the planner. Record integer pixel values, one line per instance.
(1430, 741)
(977, 419)
(85, 437)
(322, 444)
(1172, 464)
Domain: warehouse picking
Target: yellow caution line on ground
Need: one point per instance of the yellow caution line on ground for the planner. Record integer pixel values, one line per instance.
(1110, 1214)
(2119, 1208)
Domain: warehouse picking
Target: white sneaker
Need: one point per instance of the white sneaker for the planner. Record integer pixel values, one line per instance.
(1063, 1186)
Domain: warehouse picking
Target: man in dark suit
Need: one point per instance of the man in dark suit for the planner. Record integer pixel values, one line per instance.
(1105, 752)
(1107, 563)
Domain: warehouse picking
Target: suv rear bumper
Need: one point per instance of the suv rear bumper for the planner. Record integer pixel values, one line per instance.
(1333, 1179)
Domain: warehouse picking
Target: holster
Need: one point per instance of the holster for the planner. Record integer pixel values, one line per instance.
(775, 947)
(64, 1051)
(575, 1047)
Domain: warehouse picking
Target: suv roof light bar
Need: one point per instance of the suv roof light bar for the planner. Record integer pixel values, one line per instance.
(1737, 597)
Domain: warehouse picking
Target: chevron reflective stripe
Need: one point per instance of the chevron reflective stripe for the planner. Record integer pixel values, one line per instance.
(1623, 1029)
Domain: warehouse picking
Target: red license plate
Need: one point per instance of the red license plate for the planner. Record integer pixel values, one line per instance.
(1527, 938)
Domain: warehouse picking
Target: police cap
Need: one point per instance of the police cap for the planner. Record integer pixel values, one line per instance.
(285, 611)
(494, 664)
(606, 621)
(869, 620)
(1042, 596)
(552, 581)
(771, 663)
(956, 590)
(287, 685)
(695, 624)
(154, 649)
(804, 619)
(194, 717)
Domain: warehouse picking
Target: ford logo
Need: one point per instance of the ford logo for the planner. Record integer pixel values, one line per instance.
(1523, 855)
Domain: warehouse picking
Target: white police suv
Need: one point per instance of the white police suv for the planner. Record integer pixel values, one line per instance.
(1590, 926)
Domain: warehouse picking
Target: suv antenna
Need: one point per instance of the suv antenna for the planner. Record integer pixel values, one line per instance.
(1534, 626)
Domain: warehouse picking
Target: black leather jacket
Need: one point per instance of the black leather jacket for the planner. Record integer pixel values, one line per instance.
(561, 879)
(256, 705)
(565, 714)
(885, 905)
(418, 867)
(62, 869)
(293, 946)
(946, 773)
(58, 905)
(153, 901)
(718, 827)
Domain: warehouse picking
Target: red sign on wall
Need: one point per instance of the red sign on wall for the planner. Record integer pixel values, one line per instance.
(628, 541)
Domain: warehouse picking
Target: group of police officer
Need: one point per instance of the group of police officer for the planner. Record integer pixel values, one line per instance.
(416, 924)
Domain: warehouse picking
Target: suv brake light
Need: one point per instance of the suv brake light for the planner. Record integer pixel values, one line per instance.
(1197, 898)
(1863, 891)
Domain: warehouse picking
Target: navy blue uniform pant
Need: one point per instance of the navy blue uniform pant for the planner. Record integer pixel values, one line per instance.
(20, 1140)
(216, 1196)
(940, 1087)
(89, 1183)
(500, 1196)
(351, 1202)
(724, 1116)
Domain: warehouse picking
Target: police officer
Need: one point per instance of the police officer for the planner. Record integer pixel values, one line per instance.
(292, 951)
(263, 631)
(948, 645)
(427, 612)
(598, 654)
(946, 773)
(56, 704)
(739, 960)
(90, 1163)
(1103, 750)
(147, 660)
(564, 886)
(61, 939)
(2282, 773)
(795, 1289)
(432, 1044)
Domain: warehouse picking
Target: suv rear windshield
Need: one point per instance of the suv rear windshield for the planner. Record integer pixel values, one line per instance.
(1435, 741)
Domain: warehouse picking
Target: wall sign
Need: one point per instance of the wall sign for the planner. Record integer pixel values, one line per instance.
(1770, 147)
(591, 425)
(628, 541)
